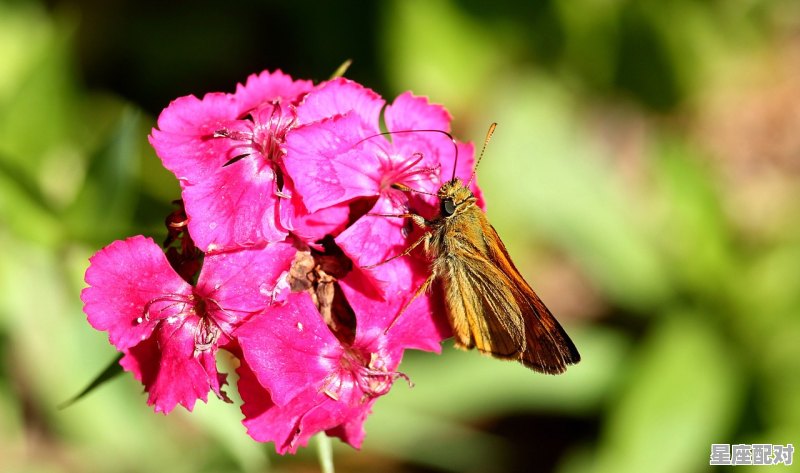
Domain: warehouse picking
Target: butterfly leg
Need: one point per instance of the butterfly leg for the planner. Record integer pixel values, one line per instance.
(408, 250)
(421, 290)
(417, 219)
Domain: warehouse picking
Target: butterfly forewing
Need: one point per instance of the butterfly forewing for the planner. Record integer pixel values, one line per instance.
(548, 348)
(474, 305)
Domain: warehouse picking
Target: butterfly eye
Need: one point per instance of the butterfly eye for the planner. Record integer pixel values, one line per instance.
(448, 207)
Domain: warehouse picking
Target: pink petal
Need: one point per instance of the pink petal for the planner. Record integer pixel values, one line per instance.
(327, 414)
(234, 207)
(383, 328)
(289, 348)
(339, 97)
(143, 360)
(241, 283)
(126, 278)
(311, 226)
(374, 239)
(416, 113)
(352, 430)
(246, 277)
(186, 139)
(291, 426)
(418, 127)
(409, 112)
(328, 164)
(256, 399)
(171, 373)
(267, 87)
(229, 204)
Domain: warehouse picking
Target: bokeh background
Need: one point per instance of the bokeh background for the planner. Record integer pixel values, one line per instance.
(645, 176)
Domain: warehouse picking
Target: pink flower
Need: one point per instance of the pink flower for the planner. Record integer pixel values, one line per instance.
(297, 378)
(168, 330)
(286, 186)
(343, 158)
(330, 99)
(226, 149)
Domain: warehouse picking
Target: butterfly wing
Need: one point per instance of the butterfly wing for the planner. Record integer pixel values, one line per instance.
(548, 348)
(481, 308)
(490, 306)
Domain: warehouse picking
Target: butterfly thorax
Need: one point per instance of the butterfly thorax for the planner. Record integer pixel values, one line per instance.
(458, 226)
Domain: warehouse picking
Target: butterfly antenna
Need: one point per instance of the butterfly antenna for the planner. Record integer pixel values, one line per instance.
(453, 140)
(384, 133)
(483, 150)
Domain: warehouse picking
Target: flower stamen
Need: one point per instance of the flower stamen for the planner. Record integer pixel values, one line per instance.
(173, 299)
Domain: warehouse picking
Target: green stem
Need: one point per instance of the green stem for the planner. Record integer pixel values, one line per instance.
(325, 452)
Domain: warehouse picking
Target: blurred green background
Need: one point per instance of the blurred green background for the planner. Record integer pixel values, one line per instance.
(645, 176)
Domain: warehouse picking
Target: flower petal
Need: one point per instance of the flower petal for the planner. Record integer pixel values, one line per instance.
(125, 279)
(238, 284)
(270, 86)
(289, 348)
(421, 325)
(352, 430)
(311, 226)
(341, 96)
(169, 368)
(229, 203)
(328, 164)
(292, 425)
(409, 112)
(373, 239)
(187, 138)
(234, 207)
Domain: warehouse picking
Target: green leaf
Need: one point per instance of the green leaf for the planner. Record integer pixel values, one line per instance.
(111, 371)
(104, 208)
(433, 423)
(698, 243)
(543, 177)
(425, 41)
(684, 394)
(339, 72)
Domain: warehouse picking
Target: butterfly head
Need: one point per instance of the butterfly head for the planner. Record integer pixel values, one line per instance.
(453, 197)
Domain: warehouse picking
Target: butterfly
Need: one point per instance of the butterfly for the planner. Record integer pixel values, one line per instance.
(489, 304)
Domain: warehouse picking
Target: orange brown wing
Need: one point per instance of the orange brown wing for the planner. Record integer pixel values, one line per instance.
(548, 348)
(482, 308)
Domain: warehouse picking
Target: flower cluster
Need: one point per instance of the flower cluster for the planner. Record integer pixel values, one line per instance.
(286, 187)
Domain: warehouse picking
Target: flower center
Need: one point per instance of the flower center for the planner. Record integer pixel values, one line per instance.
(400, 172)
(370, 375)
(267, 125)
(271, 122)
(179, 309)
(169, 307)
